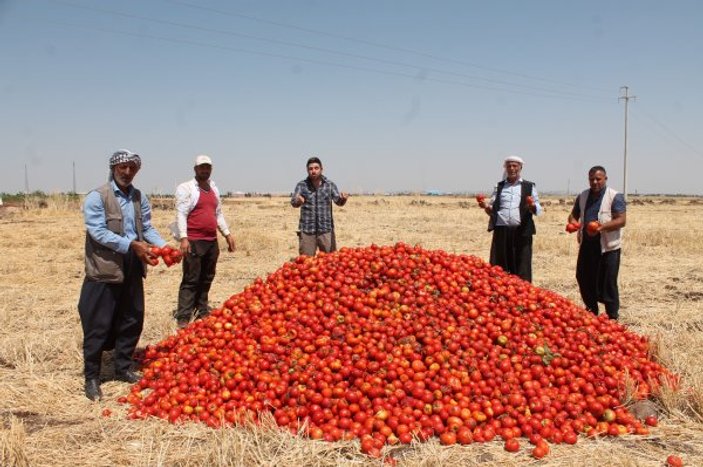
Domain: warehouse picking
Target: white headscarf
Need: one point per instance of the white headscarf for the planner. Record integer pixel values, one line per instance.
(512, 158)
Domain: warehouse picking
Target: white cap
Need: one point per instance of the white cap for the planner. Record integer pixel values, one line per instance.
(514, 159)
(203, 159)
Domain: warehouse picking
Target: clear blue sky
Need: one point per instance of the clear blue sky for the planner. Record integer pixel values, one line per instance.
(391, 95)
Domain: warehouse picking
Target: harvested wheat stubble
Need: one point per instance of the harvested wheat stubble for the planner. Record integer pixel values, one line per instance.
(40, 335)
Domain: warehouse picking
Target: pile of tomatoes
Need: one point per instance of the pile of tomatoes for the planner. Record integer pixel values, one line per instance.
(393, 343)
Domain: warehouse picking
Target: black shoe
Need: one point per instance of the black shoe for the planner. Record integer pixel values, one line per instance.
(92, 389)
(182, 323)
(128, 376)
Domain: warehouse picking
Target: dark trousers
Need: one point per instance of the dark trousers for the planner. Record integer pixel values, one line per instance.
(198, 273)
(512, 251)
(597, 276)
(112, 316)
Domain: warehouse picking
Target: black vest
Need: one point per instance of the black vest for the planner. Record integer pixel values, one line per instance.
(527, 225)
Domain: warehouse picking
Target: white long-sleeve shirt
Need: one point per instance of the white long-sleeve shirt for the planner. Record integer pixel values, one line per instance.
(187, 195)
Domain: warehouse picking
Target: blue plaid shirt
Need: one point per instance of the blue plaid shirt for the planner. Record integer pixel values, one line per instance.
(316, 212)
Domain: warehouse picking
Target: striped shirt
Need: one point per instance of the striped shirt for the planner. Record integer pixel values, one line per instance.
(316, 212)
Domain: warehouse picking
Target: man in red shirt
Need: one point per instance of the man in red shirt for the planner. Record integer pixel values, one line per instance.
(198, 218)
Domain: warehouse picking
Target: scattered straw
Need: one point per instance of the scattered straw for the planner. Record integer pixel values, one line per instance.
(47, 421)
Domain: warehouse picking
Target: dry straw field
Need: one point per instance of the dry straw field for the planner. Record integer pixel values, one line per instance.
(46, 420)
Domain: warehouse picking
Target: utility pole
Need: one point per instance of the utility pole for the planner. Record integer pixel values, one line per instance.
(26, 180)
(626, 97)
(74, 178)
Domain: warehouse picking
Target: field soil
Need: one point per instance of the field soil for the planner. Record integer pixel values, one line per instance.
(45, 420)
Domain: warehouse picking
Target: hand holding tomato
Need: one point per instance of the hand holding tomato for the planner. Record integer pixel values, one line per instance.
(593, 228)
(481, 199)
(572, 227)
(142, 250)
(530, 201)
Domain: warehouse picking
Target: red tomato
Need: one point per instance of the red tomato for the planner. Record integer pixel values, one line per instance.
(447, 438)
(464, 435)
(592, 227)
(570, 437)
(512, 445)
(573, 227)
(674, 461)
(651, 420)
(540, 451)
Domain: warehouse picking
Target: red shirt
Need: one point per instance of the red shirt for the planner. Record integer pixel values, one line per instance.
(202, 221)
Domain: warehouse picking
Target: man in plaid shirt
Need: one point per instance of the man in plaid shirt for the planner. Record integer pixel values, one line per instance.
(314, 197)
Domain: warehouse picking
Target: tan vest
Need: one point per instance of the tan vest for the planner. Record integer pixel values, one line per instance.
(101, 263)
(609, 241)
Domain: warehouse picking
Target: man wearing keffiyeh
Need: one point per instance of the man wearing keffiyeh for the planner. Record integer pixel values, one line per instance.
(117, 245)
(512, 205)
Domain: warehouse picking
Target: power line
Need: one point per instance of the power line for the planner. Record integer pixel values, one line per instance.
(414, 76)
(381, 45)
(668, 132)
(548, 92)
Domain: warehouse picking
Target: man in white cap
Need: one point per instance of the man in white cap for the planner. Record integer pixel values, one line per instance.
(198, 218)
(117, 246)
(513, 203)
